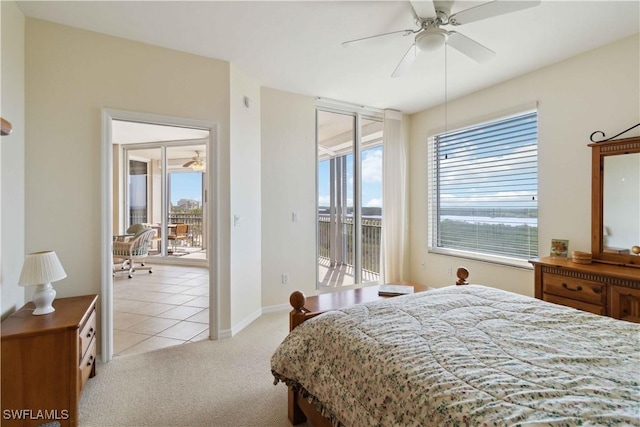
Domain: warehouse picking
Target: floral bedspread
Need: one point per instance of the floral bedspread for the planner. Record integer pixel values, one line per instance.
(465, 356)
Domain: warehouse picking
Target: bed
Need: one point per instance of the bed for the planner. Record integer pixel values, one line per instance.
(461, 356)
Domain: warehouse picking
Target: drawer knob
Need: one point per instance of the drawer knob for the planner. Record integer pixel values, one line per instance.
(89, 333)
(576, 289)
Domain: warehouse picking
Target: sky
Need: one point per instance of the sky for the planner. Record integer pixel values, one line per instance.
(186, 185)
(491, 165)
(371, 179)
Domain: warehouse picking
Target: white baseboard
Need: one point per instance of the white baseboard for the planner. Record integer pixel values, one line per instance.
(246, 322)
(276, 308)
(224, 334)
(228, 333)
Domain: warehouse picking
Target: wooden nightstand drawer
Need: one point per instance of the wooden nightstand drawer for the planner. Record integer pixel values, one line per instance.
(86, 365)
(580, 305)
(577, 289)
(87, 333)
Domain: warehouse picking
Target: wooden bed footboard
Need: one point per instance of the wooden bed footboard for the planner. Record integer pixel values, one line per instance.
(299, 409)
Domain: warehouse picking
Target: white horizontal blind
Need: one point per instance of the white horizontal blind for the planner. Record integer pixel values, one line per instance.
(485, 188)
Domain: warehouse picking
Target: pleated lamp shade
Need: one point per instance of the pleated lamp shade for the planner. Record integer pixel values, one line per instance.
(40, 268)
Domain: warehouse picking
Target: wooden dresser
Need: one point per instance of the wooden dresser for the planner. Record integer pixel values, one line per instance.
(605, 289)
(46, 361)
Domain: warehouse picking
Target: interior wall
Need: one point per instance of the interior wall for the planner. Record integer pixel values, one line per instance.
(597, 90)
(12, 158)
(118, 191)
(288, 185)
(71, 75)
(246, 227)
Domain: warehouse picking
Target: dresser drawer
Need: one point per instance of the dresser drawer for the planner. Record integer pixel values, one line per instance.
(580, 305)
(86, 365)
(577, 289)
(87, 333)
(625, 303)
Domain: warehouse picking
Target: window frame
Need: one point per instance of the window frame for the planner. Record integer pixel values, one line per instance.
(433, 198)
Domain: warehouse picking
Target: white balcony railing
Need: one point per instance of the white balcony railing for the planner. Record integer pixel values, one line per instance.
(371, 238)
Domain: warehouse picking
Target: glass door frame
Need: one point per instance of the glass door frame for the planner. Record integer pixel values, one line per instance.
(359, 114)
(164, 196)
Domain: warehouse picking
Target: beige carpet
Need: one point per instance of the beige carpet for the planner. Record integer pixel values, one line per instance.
(226, 383)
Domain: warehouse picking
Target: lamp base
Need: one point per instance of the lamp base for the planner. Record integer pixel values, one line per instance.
(43, 298)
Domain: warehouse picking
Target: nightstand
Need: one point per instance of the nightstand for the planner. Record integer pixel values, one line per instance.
(46, 361)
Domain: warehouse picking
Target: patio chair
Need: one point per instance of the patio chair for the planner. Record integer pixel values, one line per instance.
(181, 233)
(133, 249)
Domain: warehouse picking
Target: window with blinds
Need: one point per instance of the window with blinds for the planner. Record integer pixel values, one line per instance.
(484, 190)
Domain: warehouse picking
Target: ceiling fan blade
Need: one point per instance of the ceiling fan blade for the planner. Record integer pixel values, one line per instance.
(423, 8)
(189, 163)
(491, 9)
(469, 47)
(378, 37)
(406, 61)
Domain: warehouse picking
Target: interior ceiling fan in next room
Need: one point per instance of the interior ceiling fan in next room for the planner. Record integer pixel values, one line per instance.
(196, 163)
(431, 16)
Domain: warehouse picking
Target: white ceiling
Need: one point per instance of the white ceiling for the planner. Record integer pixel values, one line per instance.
(190, 142)
(296, 45)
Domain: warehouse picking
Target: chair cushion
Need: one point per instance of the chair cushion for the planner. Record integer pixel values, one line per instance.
(136, 229)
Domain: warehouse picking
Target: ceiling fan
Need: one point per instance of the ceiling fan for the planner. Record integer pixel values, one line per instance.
(431, 15)
(196, 163)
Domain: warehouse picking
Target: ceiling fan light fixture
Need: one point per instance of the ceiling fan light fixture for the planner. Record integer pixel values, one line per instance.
(198, 167)
(431, 39)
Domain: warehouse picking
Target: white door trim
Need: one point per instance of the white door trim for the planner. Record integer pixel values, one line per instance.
(106, 231)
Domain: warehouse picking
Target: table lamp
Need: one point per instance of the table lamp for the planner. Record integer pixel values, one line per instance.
(42, 268)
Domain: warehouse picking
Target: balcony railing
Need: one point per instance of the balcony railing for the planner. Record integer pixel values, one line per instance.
(371, 237)
(194, 221)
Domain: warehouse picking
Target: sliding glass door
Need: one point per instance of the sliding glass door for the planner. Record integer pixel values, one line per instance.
(186, 201)
(166, 190)
(349, 194)
(371, 153)
(139, 171)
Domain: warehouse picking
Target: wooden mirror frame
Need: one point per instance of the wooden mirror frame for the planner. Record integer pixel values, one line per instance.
(599, 152)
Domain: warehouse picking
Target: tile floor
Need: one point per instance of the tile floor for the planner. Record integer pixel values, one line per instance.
(168, 307)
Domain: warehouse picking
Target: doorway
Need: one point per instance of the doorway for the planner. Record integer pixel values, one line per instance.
(156, 173)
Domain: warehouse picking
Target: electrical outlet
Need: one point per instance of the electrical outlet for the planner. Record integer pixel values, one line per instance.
(423, 265)
(449, 270)
(285, 278)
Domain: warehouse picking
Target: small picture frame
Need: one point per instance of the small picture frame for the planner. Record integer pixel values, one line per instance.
(559, 248)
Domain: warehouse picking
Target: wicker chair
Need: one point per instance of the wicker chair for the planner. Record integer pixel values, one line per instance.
(181, 233)
(132, 250)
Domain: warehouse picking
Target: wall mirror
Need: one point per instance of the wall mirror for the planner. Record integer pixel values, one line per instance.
(615, 199)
